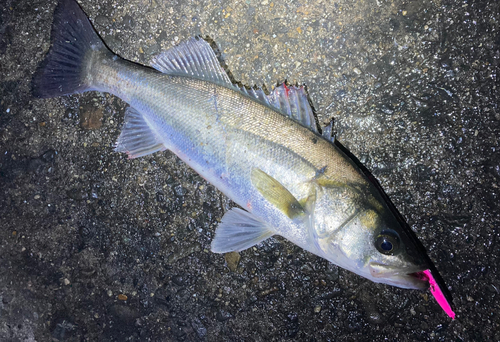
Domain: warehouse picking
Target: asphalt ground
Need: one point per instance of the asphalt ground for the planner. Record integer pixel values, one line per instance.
(97, 247)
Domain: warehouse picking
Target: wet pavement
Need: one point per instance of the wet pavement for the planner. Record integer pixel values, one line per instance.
(97, 247)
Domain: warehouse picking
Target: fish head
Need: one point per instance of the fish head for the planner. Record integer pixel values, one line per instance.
(372, 243)
(395, 256)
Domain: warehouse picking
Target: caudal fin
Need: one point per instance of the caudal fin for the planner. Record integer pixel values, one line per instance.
(74, 42)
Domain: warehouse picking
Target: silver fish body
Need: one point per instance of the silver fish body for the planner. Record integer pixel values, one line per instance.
(289, 180)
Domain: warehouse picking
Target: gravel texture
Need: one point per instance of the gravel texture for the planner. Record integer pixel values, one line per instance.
(97, 247)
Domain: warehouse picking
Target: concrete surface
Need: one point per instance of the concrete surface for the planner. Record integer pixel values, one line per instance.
(97, 247)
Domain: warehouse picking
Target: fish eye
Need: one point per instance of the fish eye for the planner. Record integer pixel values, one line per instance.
(387, 242)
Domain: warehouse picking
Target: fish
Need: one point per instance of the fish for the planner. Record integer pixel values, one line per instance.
(263, 151)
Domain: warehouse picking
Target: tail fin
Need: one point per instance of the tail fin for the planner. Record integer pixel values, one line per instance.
(74, 41)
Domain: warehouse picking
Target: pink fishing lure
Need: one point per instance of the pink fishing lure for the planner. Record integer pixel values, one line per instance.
(436, 292)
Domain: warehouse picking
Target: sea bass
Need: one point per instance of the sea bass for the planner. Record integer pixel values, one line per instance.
(262, 151)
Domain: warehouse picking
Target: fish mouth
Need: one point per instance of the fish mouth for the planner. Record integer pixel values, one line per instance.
(411, 277)
(414, 281)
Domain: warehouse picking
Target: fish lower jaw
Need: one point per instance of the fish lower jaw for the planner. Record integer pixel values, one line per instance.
(409, 281)
(407, 278)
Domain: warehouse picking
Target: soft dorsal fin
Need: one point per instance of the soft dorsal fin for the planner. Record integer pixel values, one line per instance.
(193, 57)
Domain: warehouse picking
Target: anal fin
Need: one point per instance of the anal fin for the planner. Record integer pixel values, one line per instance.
(137, 139)
(238, 231)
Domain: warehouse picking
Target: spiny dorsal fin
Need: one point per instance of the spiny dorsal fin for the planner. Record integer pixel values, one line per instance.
(257, 94)
(328, 133)
(244, 90)
(292, 101)
(260, 95)
(193, 58)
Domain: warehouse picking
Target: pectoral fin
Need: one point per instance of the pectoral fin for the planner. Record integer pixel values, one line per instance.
(276, 194)
(325, 182)
(239, 230)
